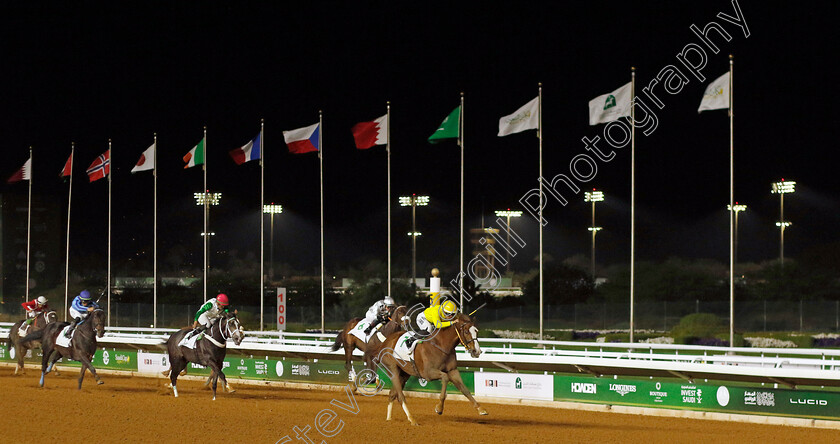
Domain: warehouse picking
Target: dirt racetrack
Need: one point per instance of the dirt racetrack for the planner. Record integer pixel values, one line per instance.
(138, 409)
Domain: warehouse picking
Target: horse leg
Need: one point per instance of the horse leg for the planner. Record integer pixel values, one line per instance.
(398, 385)
(45, 359)
(455, 377)
(225, 385)
(54, 357)
(87, 366)
(348, 359)
(444, 381)
(174, 371)
(215, 369)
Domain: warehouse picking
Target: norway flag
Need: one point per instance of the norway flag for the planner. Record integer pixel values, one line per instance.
(251, 151)
(100, 167)
(303, 140)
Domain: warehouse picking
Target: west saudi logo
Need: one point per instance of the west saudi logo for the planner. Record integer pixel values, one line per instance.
(518, 383)
(610, 102)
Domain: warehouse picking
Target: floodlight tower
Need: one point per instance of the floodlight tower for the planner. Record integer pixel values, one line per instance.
(508, 214)
(272, 210)
(414, 201)
(593, 196)
(781, 188)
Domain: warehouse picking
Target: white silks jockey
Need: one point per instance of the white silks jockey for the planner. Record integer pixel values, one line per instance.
(378, 313)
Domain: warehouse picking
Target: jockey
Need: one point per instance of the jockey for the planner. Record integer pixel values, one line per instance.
(208, 313)
(81, 306)
(432, 318)
(378, 312)
(34, 308)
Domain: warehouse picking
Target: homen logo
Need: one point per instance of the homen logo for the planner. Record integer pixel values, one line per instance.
(610, 102)
(584, 387)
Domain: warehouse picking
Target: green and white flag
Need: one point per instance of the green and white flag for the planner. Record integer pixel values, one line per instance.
(195, 156)
(525, 118)
(716, 95)
(450, 128)
(612, 106)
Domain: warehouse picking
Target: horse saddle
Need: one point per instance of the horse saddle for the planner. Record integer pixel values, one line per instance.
(63, 340)
(359, 331)
(401, 350)
(189, 343)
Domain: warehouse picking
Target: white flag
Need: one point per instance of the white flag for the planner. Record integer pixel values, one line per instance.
(716, 95)
(147, 160)
(609, 107)
(525, 118)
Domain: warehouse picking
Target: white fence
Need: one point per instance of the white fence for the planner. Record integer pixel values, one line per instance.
(779, 366)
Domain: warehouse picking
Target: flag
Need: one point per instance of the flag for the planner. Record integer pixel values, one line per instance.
(195, 156)
(24, 173)
(66, 171)
(250, 151)
(302, 140)
(525, 118)
(147, 160)
(716, 95)
(450, 128)
(609, 107)
(368, 134)
(100, 167)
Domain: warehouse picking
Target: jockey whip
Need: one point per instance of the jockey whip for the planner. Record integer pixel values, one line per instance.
(479, 308)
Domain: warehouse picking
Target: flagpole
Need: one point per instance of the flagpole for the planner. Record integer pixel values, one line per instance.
(731, 210)
(206, 206)
(388, 154)
(262, 226)
(67, 253)
(632, 199)
(155, 264)
(28, 224)
(108, 278)
(542, 203)
(461, 260)
(321, 161)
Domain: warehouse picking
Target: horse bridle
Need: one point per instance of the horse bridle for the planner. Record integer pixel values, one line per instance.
(460, 338)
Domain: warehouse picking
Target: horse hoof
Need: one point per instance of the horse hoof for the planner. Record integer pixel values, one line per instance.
(100, 382)
(414, 423)
(438, 409)
(482, 412)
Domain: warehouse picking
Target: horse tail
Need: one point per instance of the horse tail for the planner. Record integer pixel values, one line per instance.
(36, 336)
(339, 341)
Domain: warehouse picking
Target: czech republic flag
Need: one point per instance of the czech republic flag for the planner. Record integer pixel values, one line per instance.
(303, 140)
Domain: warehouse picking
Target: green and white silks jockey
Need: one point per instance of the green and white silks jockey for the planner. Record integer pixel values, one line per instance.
(208, 313)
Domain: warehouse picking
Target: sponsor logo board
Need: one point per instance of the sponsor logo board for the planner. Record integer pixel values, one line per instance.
(515, 385)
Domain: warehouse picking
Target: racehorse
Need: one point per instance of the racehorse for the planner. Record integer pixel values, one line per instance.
(210, 351)
(350, 342)
(40, 321)
(434, 358)
(82, 345)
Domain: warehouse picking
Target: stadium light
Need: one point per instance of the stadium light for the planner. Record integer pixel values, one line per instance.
(781, 188)
(414, 201)
(508, 214)
(271, 209)
(212, 198)
(593, 196)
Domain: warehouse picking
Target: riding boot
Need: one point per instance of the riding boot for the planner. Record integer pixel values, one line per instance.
(73, 325)
(410, 343)
(195, 331)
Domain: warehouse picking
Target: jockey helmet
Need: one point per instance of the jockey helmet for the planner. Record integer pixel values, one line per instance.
(388, 300)
(222, 299)
(41, 300)
(85, 295)
(449, 308)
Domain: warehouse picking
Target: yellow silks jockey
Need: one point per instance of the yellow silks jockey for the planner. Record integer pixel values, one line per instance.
(436, 313)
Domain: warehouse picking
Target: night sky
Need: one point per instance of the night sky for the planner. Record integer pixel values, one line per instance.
(87, 72)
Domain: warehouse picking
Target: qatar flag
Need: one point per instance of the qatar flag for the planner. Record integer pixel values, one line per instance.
(303, 140)
(368, 134)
